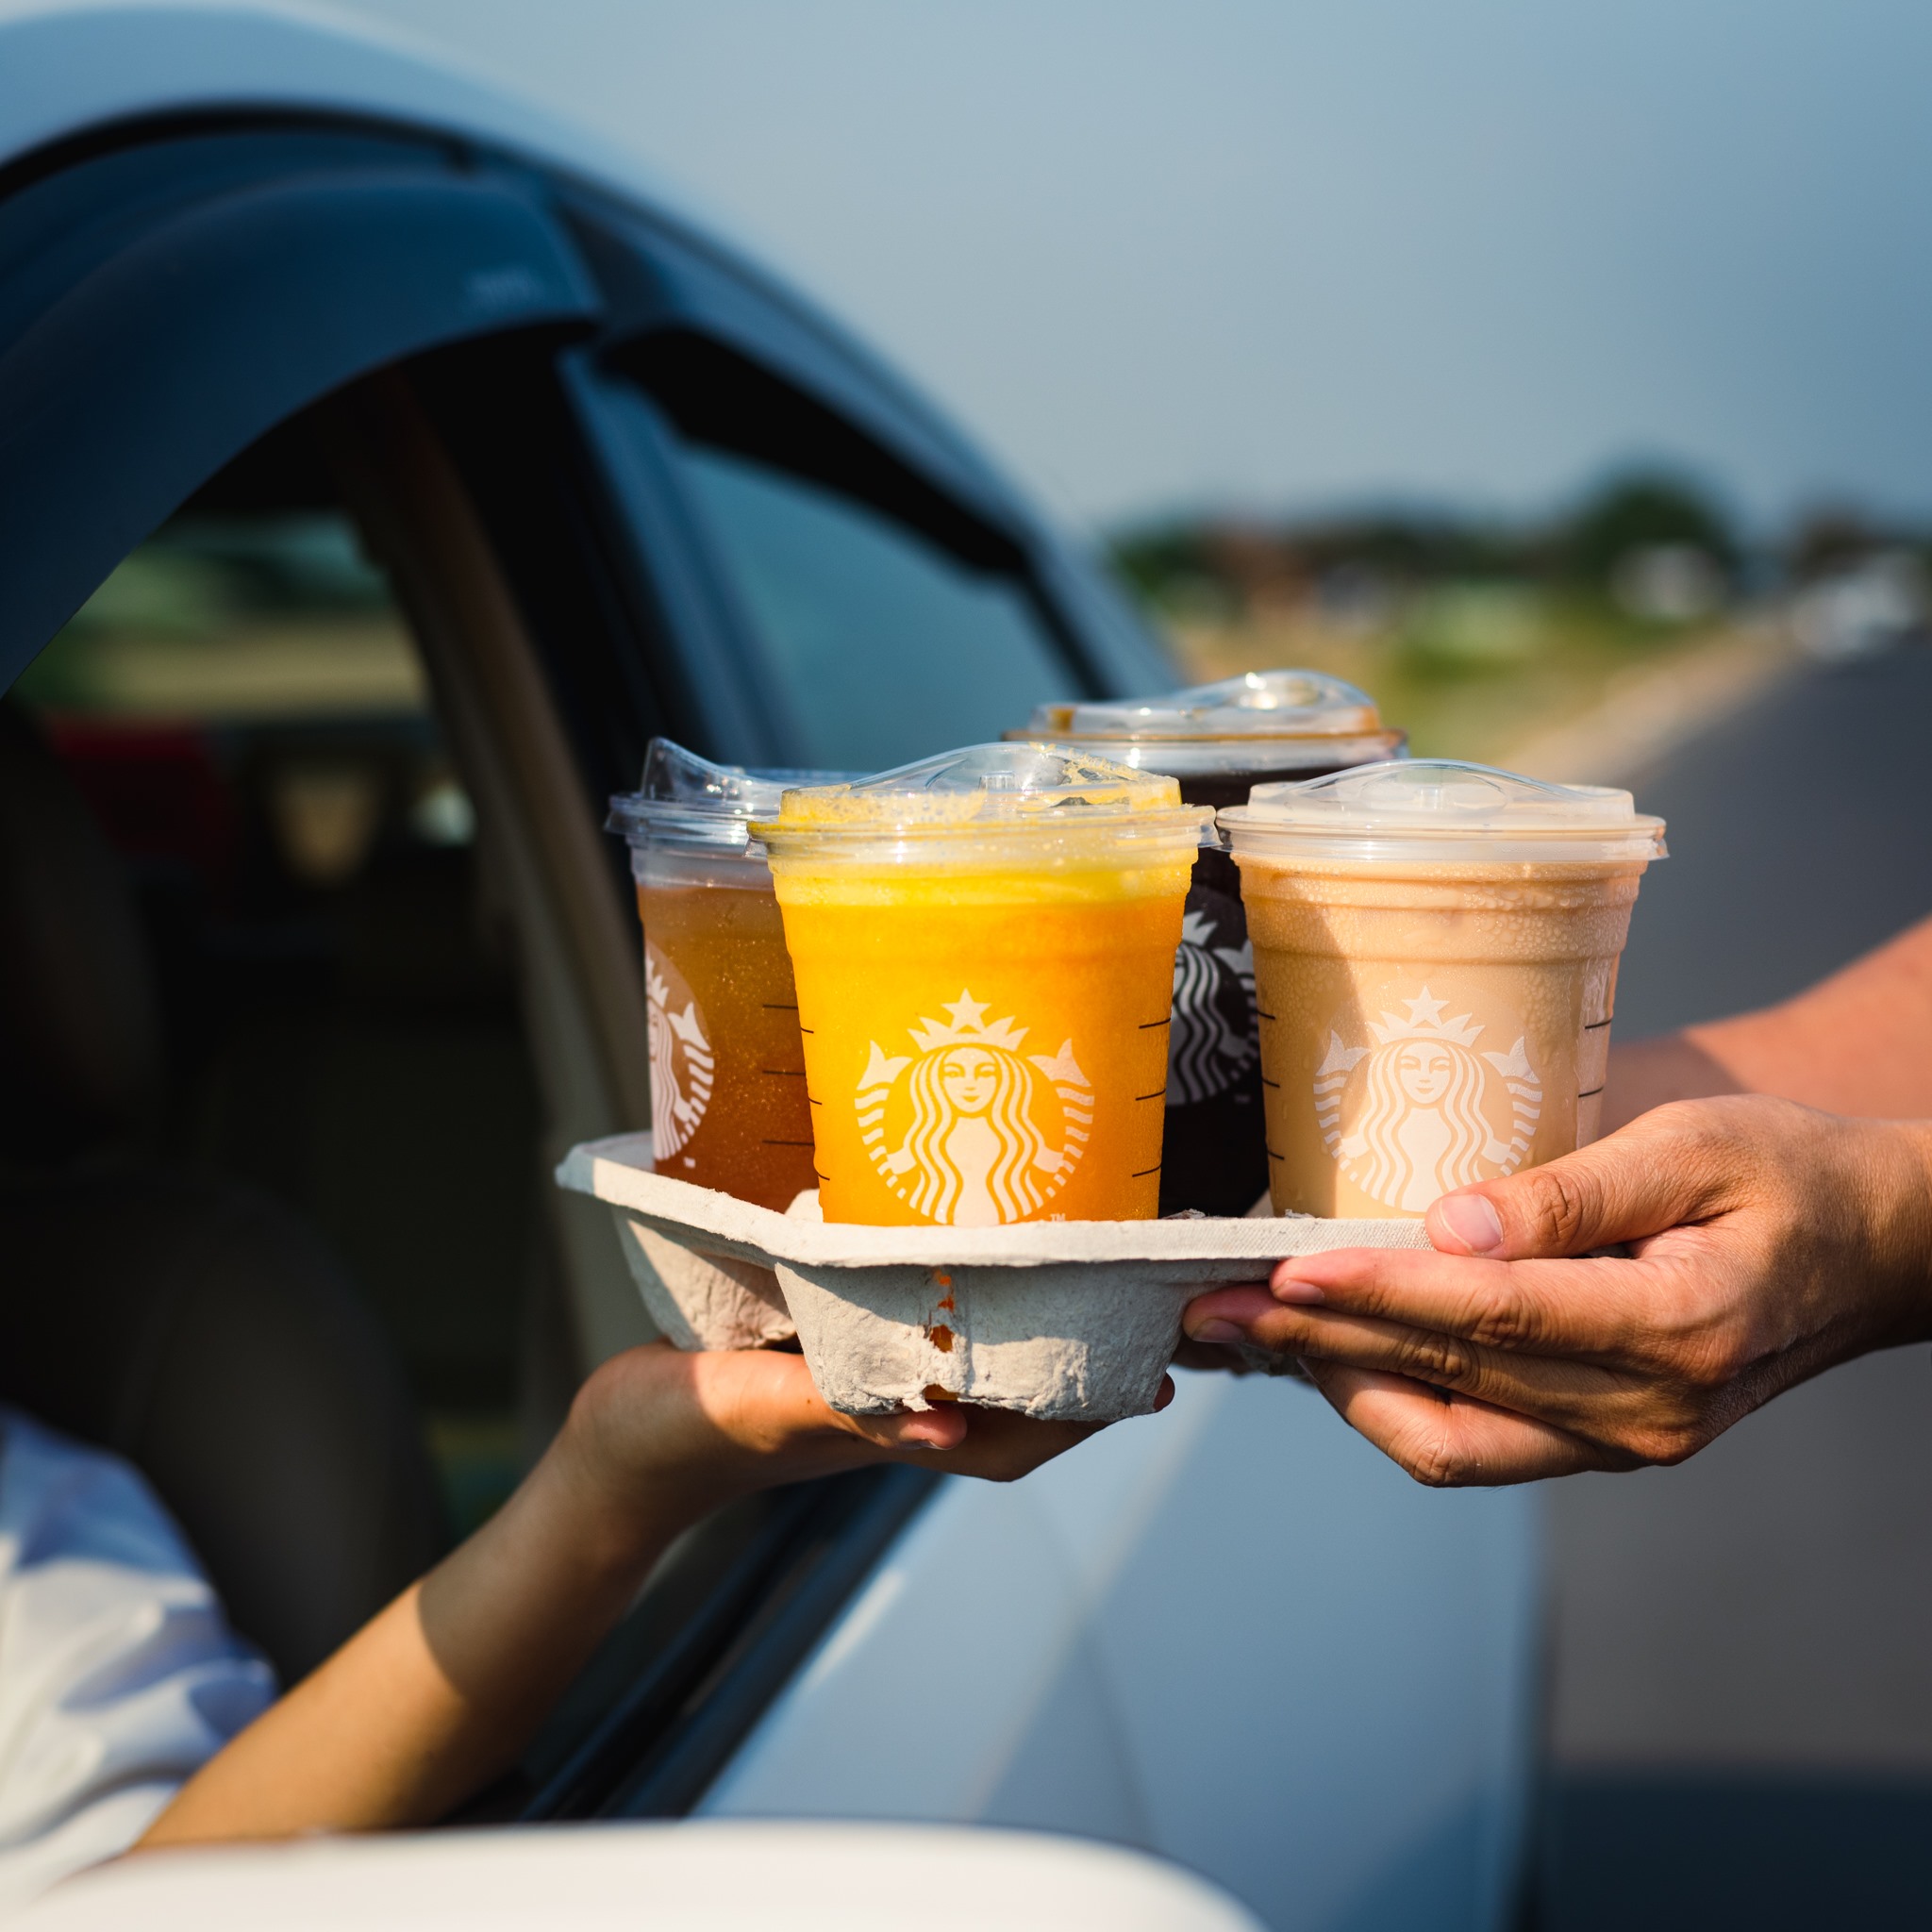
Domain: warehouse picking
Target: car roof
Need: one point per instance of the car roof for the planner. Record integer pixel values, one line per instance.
(74, 68)
(70, 67)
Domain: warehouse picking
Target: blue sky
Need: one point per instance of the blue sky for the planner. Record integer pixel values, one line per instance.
(1278, 257)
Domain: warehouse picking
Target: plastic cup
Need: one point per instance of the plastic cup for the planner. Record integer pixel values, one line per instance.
(1436, 952)
(984, 949)
(1220, 741)
(728, 1106)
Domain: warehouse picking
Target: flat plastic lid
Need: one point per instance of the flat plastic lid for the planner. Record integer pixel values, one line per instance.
(685, 799)
(1443, 809)
(995, 788)
(1258, 704)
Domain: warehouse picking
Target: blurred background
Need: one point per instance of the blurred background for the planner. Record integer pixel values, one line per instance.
(1507, 359)
(1556, 374)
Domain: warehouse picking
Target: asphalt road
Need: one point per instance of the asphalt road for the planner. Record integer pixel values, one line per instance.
(1742, 1667)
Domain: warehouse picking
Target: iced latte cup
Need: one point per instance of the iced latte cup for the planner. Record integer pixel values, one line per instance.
(983, 945)
(1436, 949)
(1220, 741)
(727, 1078)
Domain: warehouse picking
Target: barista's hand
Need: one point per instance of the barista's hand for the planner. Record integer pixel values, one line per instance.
(1766, 1241)
(706, 1427)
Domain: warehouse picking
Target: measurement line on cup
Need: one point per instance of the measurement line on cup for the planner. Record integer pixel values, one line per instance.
(1260, 1015)
(1272, 1156)
(1267, 1082)
(776, 1006)
(785, 1073)
(1584, 1093)
(1143, 1173)
(784, 1144)
(1597, 1026)
(1146, 1023)
(1158, 1093)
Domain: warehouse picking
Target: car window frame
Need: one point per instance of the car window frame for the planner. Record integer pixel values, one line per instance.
(661, 282)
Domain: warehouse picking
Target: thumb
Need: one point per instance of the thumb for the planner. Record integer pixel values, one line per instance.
(1637, 1183)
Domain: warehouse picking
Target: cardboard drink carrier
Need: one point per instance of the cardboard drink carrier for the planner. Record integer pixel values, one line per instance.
(983, 947)
(1075, 1321)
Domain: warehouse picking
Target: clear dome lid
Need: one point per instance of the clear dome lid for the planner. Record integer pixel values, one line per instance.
(1258, 704)
(687, 800)
(1442, 808)
(992, 788)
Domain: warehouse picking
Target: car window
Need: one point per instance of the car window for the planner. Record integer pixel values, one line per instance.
(243, 708)
(887, 647)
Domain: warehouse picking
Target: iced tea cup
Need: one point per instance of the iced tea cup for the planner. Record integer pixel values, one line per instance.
(1436, 952)
(727, 1075)
(1220, 741)
(983, 945)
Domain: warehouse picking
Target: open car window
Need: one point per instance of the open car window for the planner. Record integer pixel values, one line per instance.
(245, 711)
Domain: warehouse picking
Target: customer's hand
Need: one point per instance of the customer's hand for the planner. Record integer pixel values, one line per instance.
(705, 1427)
(438, 1694)
(1766, 1241)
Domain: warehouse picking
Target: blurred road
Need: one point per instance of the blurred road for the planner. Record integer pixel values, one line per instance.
(1742, 1708)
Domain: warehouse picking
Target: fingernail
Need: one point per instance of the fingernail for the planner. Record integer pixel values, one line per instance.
(1290, 1290)
(1219, 1331)
(1473, 1221)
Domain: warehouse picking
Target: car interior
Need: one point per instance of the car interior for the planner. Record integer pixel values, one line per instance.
(317, 960)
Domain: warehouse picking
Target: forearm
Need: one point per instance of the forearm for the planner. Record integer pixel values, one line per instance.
(1858, 1042)
(1891, 1242)
(1652, 1072)
(436, 1695)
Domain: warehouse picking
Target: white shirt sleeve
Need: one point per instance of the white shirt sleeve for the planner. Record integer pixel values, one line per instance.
(119, 1675)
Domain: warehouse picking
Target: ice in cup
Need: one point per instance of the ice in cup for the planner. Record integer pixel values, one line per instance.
(1220, 741)
(727, 1078)
(1436, 950)
(983, 945)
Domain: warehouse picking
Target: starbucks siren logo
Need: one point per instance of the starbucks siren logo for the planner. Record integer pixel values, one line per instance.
(964, 1129)
(1426, 1113)
(1212, 1040)
(681, 1060)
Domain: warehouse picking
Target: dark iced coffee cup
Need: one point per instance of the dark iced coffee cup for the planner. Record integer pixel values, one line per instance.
(1219, 741)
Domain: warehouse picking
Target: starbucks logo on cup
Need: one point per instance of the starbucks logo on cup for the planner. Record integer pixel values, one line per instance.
(967, 1129)
(682, 1063)
(1422, 1109)
(1212, 1039)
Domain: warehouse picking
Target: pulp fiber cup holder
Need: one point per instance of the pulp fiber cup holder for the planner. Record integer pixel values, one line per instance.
(1073, 1320)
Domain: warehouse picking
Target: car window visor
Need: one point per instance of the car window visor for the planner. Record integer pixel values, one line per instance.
(204, 328)
(657, 283)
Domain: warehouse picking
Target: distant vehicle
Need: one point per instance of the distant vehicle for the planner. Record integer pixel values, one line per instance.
(383, 466)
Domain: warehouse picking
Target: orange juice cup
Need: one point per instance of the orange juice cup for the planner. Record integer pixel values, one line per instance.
(727, 1075)
(1436, 952)
(983, 945)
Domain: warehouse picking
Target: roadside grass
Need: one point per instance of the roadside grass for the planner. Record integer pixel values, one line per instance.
(1469, 670)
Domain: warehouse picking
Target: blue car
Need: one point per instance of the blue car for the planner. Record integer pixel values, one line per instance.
(382, 466)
